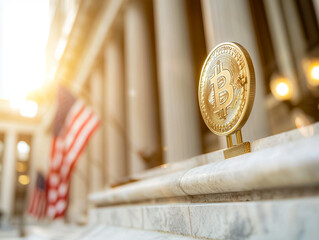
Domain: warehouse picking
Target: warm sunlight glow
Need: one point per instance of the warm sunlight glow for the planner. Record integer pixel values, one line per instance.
(23, 150)
(281, 88)
(24, 30)
(23, 147)
(311, 68)
(24, 179)
(28, 109)
(315, 73)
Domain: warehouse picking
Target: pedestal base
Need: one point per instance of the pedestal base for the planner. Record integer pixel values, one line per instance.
(237, 150)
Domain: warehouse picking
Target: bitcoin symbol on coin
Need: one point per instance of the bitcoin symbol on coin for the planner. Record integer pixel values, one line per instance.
(226, 94)
(222, 91)
(226, 88)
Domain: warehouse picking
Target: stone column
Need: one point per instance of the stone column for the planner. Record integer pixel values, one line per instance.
(178, 93)
(143, 139)
(230, 21)
(9, 173)
(40, 155)
(79, 190)
(285, 52)
(95, 148)
(115, 130)
(316, 6)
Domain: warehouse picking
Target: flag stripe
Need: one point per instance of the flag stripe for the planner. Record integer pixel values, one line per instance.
(37, 210)
(97, 124)
(31, 204)
(84, 144)
(38, 201)
(81, 140)
(77, 134)
(42, 210)
(57, 157)
(74, 124)
(53, 148)
(69, 138)
(76, 111)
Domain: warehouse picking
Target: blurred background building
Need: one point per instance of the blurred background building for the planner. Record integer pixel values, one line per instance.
(138, 63)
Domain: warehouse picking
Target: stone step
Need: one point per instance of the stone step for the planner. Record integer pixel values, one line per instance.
(101, 232)
(296, 218)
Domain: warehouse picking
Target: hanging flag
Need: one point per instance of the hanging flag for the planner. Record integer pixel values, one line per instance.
(37, 201)
(73, 125)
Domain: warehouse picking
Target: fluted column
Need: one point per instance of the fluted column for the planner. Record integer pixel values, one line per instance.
(179, 107)
(282, 48)
(9, 173)
(230, 21)
(316, 6)
(143, 140)
(115, 131)
(79, 190)
(95, 149)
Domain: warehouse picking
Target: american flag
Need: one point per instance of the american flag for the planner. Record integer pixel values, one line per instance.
(73, 125)
(37, 203)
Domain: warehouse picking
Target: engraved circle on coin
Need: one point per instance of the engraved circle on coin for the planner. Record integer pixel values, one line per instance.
(226, 89)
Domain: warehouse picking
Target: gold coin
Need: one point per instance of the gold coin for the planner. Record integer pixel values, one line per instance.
(226, 89)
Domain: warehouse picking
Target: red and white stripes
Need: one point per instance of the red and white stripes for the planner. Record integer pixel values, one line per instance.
(79, 125)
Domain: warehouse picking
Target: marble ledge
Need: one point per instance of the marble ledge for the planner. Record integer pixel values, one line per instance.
(286, 162)
(98, 231)
(279, 219)
(260, 144)
(119, 233)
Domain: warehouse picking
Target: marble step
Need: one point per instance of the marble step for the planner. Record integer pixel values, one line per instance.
(101, 232)
(284, 219)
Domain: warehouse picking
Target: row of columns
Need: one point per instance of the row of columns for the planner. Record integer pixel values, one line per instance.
(134, 77)
(39, 160)
(176, 86)
(132, 137)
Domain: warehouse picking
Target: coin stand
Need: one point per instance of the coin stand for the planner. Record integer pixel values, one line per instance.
(238, 149)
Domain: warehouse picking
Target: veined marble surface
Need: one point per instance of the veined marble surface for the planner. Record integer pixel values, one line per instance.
(118, 233)
(281, 219)
(289, 164)
(97, 231)
(271, 141)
